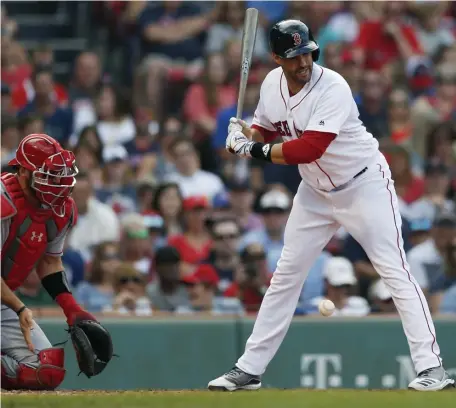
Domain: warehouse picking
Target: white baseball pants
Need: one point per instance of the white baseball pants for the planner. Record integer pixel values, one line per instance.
(368, 209)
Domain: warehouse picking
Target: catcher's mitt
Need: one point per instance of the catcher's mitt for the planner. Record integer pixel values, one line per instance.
(93, 346)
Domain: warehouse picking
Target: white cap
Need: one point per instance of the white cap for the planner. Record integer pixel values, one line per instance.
(379, 290)
(339, 271)
(275, 199)
(116, 152)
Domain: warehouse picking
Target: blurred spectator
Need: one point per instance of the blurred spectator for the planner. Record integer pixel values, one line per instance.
(333, 57)
(43, 55)
(168, 203)
(58, 121)
(252, 279)
(448, 302)
(32, 293)
(202, 288)
(86, 80)
(399, 120)
(97, 291)
(9, 26)
(381, 299)
(442, 298)
(241, 198)
(274, 207)
(97, 222)
(440, 146)
(270, 11)
(15, 67)
(203, 101)
(136, 244)
(89, 160)
(384, 42)
(224, 255)
(427, 260)
(195, 243)
(409, 187)
(167, 292)
(171, 34)
(339, 280)
(428, 111)
(117, 189)
(420, 231)
(189, 176)
(10, 138)
(29, 124)
(372, 106)
(434, 201)
(231, 27)
(145, 193)
(25, 92)
(6, 102)
(130, 293)
(156, 226)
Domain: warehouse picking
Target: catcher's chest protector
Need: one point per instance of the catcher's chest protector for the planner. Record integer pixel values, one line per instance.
(30, 231)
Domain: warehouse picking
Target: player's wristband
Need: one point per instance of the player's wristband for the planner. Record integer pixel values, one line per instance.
(262, 151)
(21, 310)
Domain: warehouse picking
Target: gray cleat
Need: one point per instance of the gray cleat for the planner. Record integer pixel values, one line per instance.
(432, 379)
(235, 379)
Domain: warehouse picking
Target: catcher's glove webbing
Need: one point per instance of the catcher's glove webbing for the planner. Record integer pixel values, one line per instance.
(93, 346)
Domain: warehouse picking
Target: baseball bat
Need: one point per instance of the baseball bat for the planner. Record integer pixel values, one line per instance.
(248, 42)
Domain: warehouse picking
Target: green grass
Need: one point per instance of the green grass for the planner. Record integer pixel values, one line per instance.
(206, 399)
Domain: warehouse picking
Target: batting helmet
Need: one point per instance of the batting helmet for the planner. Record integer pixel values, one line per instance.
(289, 38)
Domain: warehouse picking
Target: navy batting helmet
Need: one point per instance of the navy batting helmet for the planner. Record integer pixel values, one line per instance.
(289, 38)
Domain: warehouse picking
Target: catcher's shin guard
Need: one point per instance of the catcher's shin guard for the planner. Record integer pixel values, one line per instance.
(47, 376)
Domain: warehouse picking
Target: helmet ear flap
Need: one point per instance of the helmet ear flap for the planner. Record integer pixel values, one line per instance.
(316, 54)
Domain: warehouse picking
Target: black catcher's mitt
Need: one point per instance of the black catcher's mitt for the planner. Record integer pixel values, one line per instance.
(93, 346)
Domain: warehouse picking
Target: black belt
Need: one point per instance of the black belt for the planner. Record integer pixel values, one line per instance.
(342, 186)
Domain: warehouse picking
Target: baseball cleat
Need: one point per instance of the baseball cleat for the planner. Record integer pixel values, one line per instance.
(432, 379)
(235, 379)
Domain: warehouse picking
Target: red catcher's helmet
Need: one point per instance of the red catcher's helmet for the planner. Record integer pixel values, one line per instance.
(53, 169)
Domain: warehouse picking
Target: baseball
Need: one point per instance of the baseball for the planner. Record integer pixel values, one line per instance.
(326, 307)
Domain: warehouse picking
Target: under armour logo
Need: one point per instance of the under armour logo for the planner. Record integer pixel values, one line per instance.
(34, 236)
(297, 39)
(322, 123)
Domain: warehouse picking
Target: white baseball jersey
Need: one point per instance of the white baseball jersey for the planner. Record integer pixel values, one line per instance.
(324, 104)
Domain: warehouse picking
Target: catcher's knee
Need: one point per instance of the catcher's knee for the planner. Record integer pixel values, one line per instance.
(48, 374)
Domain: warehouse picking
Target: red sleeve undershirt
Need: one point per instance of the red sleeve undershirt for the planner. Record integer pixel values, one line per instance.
(308, 148)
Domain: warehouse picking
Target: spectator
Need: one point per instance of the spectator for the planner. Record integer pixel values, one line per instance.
(32, 292)
(195, 243)
(145, 193)
(7, 106)
(434, 201)
(231, 27)
(29, 124)
(97, 291)
(442, 299)
(448, 303)
(440, 146)
(420, 231)
(252, 279)
(241, 198)
(167, 292)
(89, 135)
(136, 243)
(202, 103)
(427, 260)
(89, 160)
(15, 67)
(409, 187)
(202, 289)
(171, 41)
(224, 255)
(130, 293)
(430, 110)
(10, 138)
(156, 226)
(97, 222)
(339, 280)
(117, 190)
(86, 80)
(372, 107)
(168, 203)
(189, 176)
(399, 120)
(58, 121)
(333, 56)
(43, 55)
(381, 299)
(9, 26)
(274, 207)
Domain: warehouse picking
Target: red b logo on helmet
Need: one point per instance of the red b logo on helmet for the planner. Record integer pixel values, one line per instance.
(297, 39)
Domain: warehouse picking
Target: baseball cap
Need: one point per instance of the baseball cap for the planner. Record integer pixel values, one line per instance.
(339, 271)
(221, 200)
(114, 153)
(420, 224)
(275, 199)
(239, 185)
(154, 221)
(204, 274)
(194, 202)
(167, 255)
(379, 290)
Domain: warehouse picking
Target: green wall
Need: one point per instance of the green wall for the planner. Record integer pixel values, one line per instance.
(322, 353)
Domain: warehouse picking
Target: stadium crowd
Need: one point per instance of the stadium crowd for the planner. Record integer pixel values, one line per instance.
(168, 219)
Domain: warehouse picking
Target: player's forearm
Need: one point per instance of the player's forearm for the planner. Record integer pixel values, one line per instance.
(9, 298)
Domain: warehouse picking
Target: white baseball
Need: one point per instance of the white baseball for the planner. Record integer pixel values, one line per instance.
(326, 307)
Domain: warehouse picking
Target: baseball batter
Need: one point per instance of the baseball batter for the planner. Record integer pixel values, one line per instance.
(346, 182)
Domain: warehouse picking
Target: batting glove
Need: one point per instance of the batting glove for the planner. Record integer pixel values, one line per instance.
(238, 144)
(236, 125)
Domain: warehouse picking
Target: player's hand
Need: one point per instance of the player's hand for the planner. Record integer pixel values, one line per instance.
(26, 323)
(241, 126)
(238, 144)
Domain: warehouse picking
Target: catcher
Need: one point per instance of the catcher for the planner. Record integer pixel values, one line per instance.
(37, 212)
